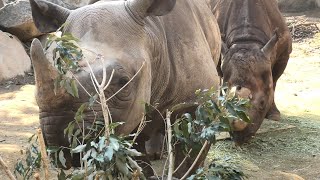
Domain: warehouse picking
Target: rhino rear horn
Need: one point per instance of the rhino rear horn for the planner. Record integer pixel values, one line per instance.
(48, 17)
(268, 48)
(143, 8)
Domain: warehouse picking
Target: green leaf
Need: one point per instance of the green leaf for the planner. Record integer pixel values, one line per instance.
(102, 143)
(92, 100)
(115, 125)
(93, 144)
(114, 143)
(79, 148)
(99, 158)
(62, 159)
(243, 116)
(30, 138)
(62, 175)
(74, 138)
(208, 134)
(122, 166)
(133, 152)
(108, 153)
(74, 88)
(87, 155)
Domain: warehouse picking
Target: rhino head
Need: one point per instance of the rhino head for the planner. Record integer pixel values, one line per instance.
(117, 31)
(248, 69)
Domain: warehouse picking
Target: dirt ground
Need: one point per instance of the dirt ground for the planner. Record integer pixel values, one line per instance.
(291, 145)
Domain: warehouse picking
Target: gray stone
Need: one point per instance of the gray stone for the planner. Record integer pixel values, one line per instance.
(298, 5)
(16, 19)
(1, 3)
(13, 57)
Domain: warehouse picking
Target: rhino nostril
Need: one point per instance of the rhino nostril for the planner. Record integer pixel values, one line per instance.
(238, 88)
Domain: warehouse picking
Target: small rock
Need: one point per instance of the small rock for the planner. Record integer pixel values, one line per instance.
(14, 59)
(288, 176)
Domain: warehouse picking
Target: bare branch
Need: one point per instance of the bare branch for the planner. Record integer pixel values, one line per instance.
(140, 128)
(6, 169)
(170, 150)
(195, 161)
(44, 156)
(185, 158)
(127, 82)
(105, 86)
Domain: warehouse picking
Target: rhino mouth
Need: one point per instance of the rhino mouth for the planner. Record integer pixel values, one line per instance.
(248, 132)
(53, 125)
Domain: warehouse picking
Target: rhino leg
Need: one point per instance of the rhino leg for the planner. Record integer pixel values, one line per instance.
(277, 71)
(154, 146)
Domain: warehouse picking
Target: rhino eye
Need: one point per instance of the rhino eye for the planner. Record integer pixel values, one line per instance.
(123, 81)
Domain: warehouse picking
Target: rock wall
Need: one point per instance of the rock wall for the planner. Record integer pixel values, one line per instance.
(16, 19)
(298, 5)
(1, 3)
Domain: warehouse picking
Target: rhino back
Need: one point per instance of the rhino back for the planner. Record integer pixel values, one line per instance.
(193, 43)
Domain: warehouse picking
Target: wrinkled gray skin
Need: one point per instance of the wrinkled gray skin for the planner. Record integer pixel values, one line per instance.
(180, 50)
(253, 55)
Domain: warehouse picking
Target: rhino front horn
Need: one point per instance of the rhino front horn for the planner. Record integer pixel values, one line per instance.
(44, 71)
(268, 48)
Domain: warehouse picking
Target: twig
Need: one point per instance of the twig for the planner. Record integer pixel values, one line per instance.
(140, 128)
(170, 150)
(195, 161)
(185, 158)
(44, 156)
(154, 171)
(127, 82)
(6, 169)
(103, 101)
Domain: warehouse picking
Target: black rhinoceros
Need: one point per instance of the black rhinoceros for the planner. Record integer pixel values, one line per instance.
(179, 42)
(257, 45)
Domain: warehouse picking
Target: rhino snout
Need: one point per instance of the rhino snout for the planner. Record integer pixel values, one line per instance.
(242, 92)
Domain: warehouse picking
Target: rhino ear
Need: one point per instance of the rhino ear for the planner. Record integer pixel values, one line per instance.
(268, 48)
(48, 17)
(144, 8)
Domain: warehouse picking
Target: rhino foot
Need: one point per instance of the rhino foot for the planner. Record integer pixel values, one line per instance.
(274, 117)
(273, 113)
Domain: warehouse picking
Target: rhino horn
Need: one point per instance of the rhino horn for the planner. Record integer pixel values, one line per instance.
(143, 8)
(44, 71)
(267, 49)
(48, 17)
